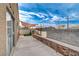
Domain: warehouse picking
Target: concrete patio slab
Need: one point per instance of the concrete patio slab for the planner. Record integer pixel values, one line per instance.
(29, 46)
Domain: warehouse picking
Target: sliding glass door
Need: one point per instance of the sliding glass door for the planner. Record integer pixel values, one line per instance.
(10, 33)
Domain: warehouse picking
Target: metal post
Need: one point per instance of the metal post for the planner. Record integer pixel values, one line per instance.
(67, 23)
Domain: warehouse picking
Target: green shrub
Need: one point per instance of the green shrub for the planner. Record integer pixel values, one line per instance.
(29, 34)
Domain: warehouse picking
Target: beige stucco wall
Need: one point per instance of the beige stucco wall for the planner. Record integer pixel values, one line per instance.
(2, 30)
(14, 12)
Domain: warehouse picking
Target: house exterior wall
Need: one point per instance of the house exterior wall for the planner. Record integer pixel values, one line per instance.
(2, 29)
(15, 13)
(13, 9)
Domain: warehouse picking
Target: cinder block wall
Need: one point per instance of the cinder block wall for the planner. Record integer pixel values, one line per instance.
(2, 29)
(63, 48)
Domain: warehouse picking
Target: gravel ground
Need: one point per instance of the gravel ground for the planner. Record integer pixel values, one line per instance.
(64, 36)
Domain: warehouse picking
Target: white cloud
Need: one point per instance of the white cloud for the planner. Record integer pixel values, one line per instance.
(74, 15)
(50, 13)
(40, 15)
(55, 18)
(27, 17)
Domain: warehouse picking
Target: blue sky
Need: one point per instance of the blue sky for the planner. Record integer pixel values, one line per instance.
(49, 13)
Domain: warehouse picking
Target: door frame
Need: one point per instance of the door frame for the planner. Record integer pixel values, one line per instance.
(8, 51)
